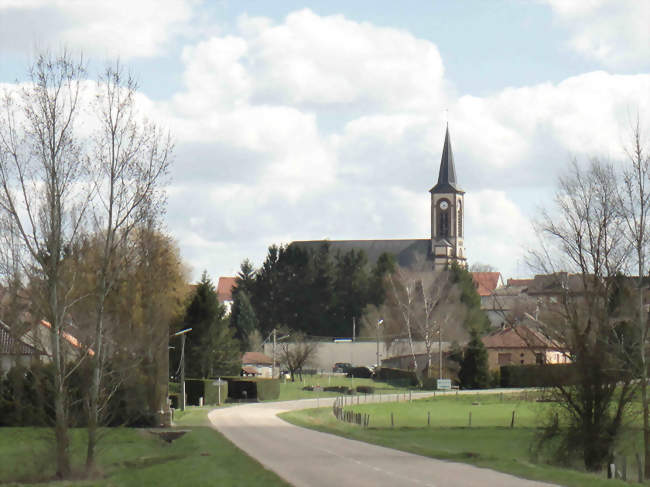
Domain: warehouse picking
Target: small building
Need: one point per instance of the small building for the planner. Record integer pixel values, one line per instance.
(225, 286)
(256, 364)
(14, 351)
(522, 345)
(487, 282)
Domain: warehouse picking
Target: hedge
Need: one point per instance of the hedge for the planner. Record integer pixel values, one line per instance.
(255, 388)
(396, 377)
(26, 398)
(205, 388)
(537, 375)
(360, 372)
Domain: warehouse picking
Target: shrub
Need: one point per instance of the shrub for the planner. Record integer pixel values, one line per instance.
(537, 375)
(365, 389)
(397, 377)
(339, 389)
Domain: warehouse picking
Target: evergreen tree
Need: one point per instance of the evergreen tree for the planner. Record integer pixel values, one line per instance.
(476, 319)
(211, 344)
(474, 372)
(242, 318)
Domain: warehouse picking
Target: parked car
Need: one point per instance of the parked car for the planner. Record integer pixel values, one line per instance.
(343, 367)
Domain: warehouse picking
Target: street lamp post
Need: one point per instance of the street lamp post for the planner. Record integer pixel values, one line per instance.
(439, 353)
(379, 322)
(182, 334)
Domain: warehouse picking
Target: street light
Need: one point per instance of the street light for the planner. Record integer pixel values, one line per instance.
(379, 322)
(182, 334)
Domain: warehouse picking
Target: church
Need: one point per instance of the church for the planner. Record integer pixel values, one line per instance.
(446, 243)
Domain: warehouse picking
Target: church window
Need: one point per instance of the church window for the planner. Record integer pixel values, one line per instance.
(460, 220)
(443, 224)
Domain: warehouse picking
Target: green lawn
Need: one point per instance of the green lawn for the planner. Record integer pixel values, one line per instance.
(294, 390)
(132, 457)
(489, 442)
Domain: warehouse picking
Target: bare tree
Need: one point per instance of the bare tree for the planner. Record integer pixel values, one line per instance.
(585, 235)
(130, 161)
(441, 305)
(425, 303)
(44, 192)
(635, 209)
(297, 353)
(401, 302)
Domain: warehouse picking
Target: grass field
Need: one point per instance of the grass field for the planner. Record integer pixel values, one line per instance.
(294, 390)
(132, 457)
(489, 442)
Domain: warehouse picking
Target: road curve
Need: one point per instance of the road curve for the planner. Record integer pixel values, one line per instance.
(307, 458)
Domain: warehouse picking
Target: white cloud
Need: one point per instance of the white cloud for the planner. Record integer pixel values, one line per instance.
(614, 32)
(121, 28)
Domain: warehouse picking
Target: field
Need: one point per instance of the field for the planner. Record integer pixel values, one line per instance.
(294, 390)
(488, 442)
(133, 457)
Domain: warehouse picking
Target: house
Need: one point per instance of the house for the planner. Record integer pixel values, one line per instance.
(522, 345)
(257, 364)
(486, 283)
(14, 351)
(225, 287)
(39, 336)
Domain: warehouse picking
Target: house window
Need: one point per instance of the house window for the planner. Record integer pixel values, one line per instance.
(505, 359)
(539, 359)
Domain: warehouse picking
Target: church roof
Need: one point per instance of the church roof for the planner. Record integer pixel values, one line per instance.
(406, 252)
(447, 174)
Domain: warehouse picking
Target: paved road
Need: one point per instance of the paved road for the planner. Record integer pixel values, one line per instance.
(307, 458)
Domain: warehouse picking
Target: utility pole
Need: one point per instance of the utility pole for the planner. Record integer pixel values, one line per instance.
(354, 329)
(274, 341)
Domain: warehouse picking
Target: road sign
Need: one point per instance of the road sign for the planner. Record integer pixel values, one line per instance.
(219, 382)
(443, 384)
(318, 389)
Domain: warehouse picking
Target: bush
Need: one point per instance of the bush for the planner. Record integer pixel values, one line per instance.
(360, 372)
(268, 389)
(397, 377)
(537, 375)
(339, 389)
(365, 389)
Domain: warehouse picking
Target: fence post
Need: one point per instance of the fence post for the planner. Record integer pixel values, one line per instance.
(512, 421)
(409, 395)
(470, 418)
(624, 468)
(392, 422)
(428, 418)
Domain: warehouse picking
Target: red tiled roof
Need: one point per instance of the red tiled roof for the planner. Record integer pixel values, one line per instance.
(486, 282)
(518, 337)
(256, 358)
(10, 345)
(225, 287)
(250, 370)
(69, 338)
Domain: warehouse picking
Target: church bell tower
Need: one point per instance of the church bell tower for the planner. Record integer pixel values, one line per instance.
(447, 214)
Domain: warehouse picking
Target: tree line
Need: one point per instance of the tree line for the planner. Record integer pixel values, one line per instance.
(320, 293)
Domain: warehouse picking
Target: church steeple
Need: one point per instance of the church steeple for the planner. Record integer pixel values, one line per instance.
(447, 174)
(447, 212)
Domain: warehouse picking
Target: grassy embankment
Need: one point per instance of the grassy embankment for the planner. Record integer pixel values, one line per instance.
(488, 442)
(133, 457)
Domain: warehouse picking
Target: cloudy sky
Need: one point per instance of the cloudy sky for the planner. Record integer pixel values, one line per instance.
(325, 119)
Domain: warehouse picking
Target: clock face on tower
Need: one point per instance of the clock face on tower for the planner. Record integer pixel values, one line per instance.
(444, 205)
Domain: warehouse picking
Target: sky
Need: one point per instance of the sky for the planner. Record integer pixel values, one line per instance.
(326, 119)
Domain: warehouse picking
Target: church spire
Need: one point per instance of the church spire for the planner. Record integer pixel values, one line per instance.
(447, 175)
